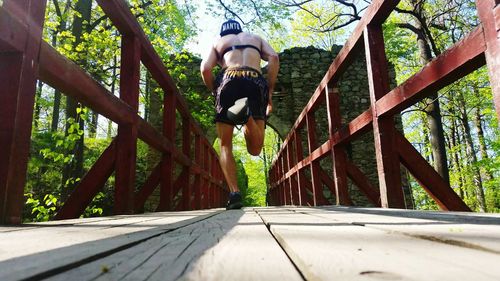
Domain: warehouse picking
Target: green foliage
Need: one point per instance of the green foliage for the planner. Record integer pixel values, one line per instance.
(42, 210)
(165, 23)
(308, 24)
(267, 18)
(184, 68)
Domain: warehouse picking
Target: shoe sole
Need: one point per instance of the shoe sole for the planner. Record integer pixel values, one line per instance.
(235, 112)
(235, 206)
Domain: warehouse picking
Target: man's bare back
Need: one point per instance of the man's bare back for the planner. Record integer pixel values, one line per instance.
(220, 55)
(241, 57)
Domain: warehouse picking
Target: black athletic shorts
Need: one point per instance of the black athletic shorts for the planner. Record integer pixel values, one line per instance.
(239, 82)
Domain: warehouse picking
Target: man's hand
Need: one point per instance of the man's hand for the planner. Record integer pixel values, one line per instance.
(269, 108)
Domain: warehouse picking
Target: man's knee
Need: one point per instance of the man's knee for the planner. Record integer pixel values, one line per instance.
(254, 149)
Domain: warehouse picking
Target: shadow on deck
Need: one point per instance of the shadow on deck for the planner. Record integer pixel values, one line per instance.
(294, 243)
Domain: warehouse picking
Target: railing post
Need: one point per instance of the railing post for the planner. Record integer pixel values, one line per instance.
(290, 182)
(301, 178)
(388, 166)
(126, 145)
(272, 191)
(339, 156)
(186, 150)
(215, 185)
(317, 187)
(284, 186)
(279, 187)
(197, 178)
(166, 189)
(206, 182)
(489, 14)
(287, 166)
(209, 178)
(18, 76)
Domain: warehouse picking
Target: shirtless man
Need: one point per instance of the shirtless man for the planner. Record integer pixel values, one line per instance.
(242, 95)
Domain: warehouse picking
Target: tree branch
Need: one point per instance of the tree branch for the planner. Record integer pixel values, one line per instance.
(231, 11)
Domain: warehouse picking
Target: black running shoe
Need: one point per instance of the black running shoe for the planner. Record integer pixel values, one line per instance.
(239, 112)
(234, 202)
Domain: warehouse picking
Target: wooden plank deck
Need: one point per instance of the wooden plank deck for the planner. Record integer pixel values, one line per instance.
(289, 243)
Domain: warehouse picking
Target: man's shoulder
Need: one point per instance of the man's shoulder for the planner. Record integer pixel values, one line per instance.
(253, 35)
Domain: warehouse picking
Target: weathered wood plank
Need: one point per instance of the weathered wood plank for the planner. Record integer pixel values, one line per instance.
(43, 251)
(327, 249)
(476, 231)
(233, 245)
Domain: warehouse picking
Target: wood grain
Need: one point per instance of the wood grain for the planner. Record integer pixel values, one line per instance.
(330, 249)
(41, 251)
(233, 245)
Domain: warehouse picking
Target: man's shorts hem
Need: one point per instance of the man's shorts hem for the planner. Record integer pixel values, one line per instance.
(227, 121)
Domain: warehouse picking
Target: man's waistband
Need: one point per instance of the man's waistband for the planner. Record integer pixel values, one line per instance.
(241, 71)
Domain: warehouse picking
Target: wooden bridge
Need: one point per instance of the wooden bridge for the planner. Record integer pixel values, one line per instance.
(273, 243)
(202, 242)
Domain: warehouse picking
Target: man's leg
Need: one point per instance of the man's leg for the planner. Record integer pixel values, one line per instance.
(254, 135)
(228, 165)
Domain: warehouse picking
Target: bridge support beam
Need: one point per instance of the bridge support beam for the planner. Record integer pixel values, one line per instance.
(126, 145)
(167, 174)
(388, 166)
(338, 152)
(18, 76)
(489, 14)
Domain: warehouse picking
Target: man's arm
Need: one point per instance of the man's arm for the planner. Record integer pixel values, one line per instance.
(207, 64)
(273, 65)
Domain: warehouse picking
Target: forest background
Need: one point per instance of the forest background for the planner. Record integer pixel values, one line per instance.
(456, 129)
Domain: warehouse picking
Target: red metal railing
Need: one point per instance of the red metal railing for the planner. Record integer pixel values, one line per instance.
(26, 58)
(289, 184)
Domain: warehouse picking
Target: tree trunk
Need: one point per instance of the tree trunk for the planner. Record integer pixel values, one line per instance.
(425, 149)
(54, 124)
(471, 154)
(433, 110)
(74, 169)
(94, 119)
(36, 115)
(456, 158)
(114, 79)
(55, 111)
(482, 143)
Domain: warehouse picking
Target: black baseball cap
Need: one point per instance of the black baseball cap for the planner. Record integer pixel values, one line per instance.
(230, 27)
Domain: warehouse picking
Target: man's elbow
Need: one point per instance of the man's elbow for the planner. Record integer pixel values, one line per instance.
(274, 60)
(205, 70)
